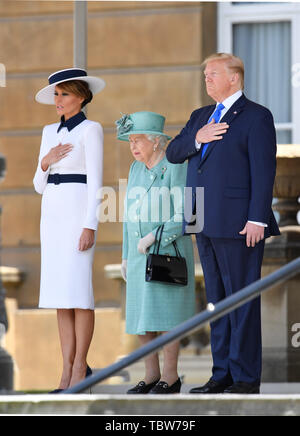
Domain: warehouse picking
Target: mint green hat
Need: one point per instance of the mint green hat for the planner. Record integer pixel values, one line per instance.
(148, 123)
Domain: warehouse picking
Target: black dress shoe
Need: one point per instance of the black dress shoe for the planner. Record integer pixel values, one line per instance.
(142, 388)
(56, 391)
(163, 388)
(211, 387)
(242, 388)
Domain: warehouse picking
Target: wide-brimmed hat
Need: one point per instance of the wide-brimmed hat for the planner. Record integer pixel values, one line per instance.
(46, 95)
(148, 123)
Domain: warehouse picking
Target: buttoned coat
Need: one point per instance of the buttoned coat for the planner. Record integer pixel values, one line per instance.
(68, 208)
(237, 172)
(155, 197)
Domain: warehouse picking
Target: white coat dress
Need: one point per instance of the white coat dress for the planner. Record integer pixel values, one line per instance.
(67, 208)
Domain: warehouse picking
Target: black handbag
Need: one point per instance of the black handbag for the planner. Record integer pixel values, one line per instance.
(164, 268)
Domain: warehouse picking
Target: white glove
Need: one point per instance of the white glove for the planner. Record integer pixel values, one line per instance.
(145, 243)
(124, 269)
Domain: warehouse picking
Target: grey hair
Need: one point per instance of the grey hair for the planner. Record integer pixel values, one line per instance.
(162, 139)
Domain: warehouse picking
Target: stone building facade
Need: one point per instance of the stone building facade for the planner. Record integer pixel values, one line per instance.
(148, 53)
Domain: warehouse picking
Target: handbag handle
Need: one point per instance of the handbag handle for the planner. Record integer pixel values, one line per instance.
(160, 228)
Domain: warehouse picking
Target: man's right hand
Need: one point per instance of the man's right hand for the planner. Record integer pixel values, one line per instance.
(211, 132)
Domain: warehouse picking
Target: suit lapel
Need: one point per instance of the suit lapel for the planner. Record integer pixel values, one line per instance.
(203, 119)
(229, 117)
(235, 109)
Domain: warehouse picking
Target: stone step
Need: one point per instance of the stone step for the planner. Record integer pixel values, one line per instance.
(152, 405)
(265, 388)
(109, 397)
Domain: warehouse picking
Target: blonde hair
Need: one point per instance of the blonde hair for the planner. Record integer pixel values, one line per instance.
(234, 63)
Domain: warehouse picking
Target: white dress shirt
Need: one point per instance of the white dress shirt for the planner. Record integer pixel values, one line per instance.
(228, 102)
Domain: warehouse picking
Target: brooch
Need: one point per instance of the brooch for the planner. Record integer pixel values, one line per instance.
(163, 170)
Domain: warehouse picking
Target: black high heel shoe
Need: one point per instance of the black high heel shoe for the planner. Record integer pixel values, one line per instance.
(88, 372)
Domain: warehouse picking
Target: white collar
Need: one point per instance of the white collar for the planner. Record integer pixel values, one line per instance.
(228, 102)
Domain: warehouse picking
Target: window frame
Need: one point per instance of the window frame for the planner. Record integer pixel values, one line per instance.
(230, 14)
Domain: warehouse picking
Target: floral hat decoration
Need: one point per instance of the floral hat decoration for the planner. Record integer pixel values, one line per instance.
(144, 122)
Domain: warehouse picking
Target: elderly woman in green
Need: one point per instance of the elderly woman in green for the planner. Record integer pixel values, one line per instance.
(154, 197)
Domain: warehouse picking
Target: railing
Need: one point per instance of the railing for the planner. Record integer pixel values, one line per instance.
(212, 313)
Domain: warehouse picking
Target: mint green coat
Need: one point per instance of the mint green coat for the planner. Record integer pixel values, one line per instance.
(153, 306)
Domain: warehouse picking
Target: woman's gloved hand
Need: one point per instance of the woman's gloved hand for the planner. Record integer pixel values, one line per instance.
(124, 269)
(145, 243)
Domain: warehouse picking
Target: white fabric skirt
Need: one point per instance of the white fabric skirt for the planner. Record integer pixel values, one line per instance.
(66, 272)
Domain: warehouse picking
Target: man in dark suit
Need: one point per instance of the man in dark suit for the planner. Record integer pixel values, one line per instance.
(231, 152)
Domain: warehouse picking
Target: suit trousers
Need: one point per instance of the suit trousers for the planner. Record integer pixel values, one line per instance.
(228, 266)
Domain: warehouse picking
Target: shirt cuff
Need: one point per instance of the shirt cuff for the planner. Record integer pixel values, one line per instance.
(258, 224)
(197, 145)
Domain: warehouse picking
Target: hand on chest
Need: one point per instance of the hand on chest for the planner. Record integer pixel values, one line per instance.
(230, 141)
(76, 157)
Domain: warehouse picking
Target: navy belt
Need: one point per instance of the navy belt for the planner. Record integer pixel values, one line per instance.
(66, 178)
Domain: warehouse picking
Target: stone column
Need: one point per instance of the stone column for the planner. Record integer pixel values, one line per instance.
(281, 305)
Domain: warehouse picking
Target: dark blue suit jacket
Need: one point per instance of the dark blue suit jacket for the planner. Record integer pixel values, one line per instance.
(237, 172)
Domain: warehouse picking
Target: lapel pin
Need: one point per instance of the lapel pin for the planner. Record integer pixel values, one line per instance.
(163, 170)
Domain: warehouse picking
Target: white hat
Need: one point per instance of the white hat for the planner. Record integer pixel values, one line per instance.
(46, 95)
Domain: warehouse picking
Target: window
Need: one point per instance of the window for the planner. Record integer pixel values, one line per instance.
(265, 36)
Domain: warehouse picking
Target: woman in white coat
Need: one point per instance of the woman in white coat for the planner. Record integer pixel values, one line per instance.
(69, 175)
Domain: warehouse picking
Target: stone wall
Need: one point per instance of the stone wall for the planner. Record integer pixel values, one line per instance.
(32, 341)
(149, 54)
